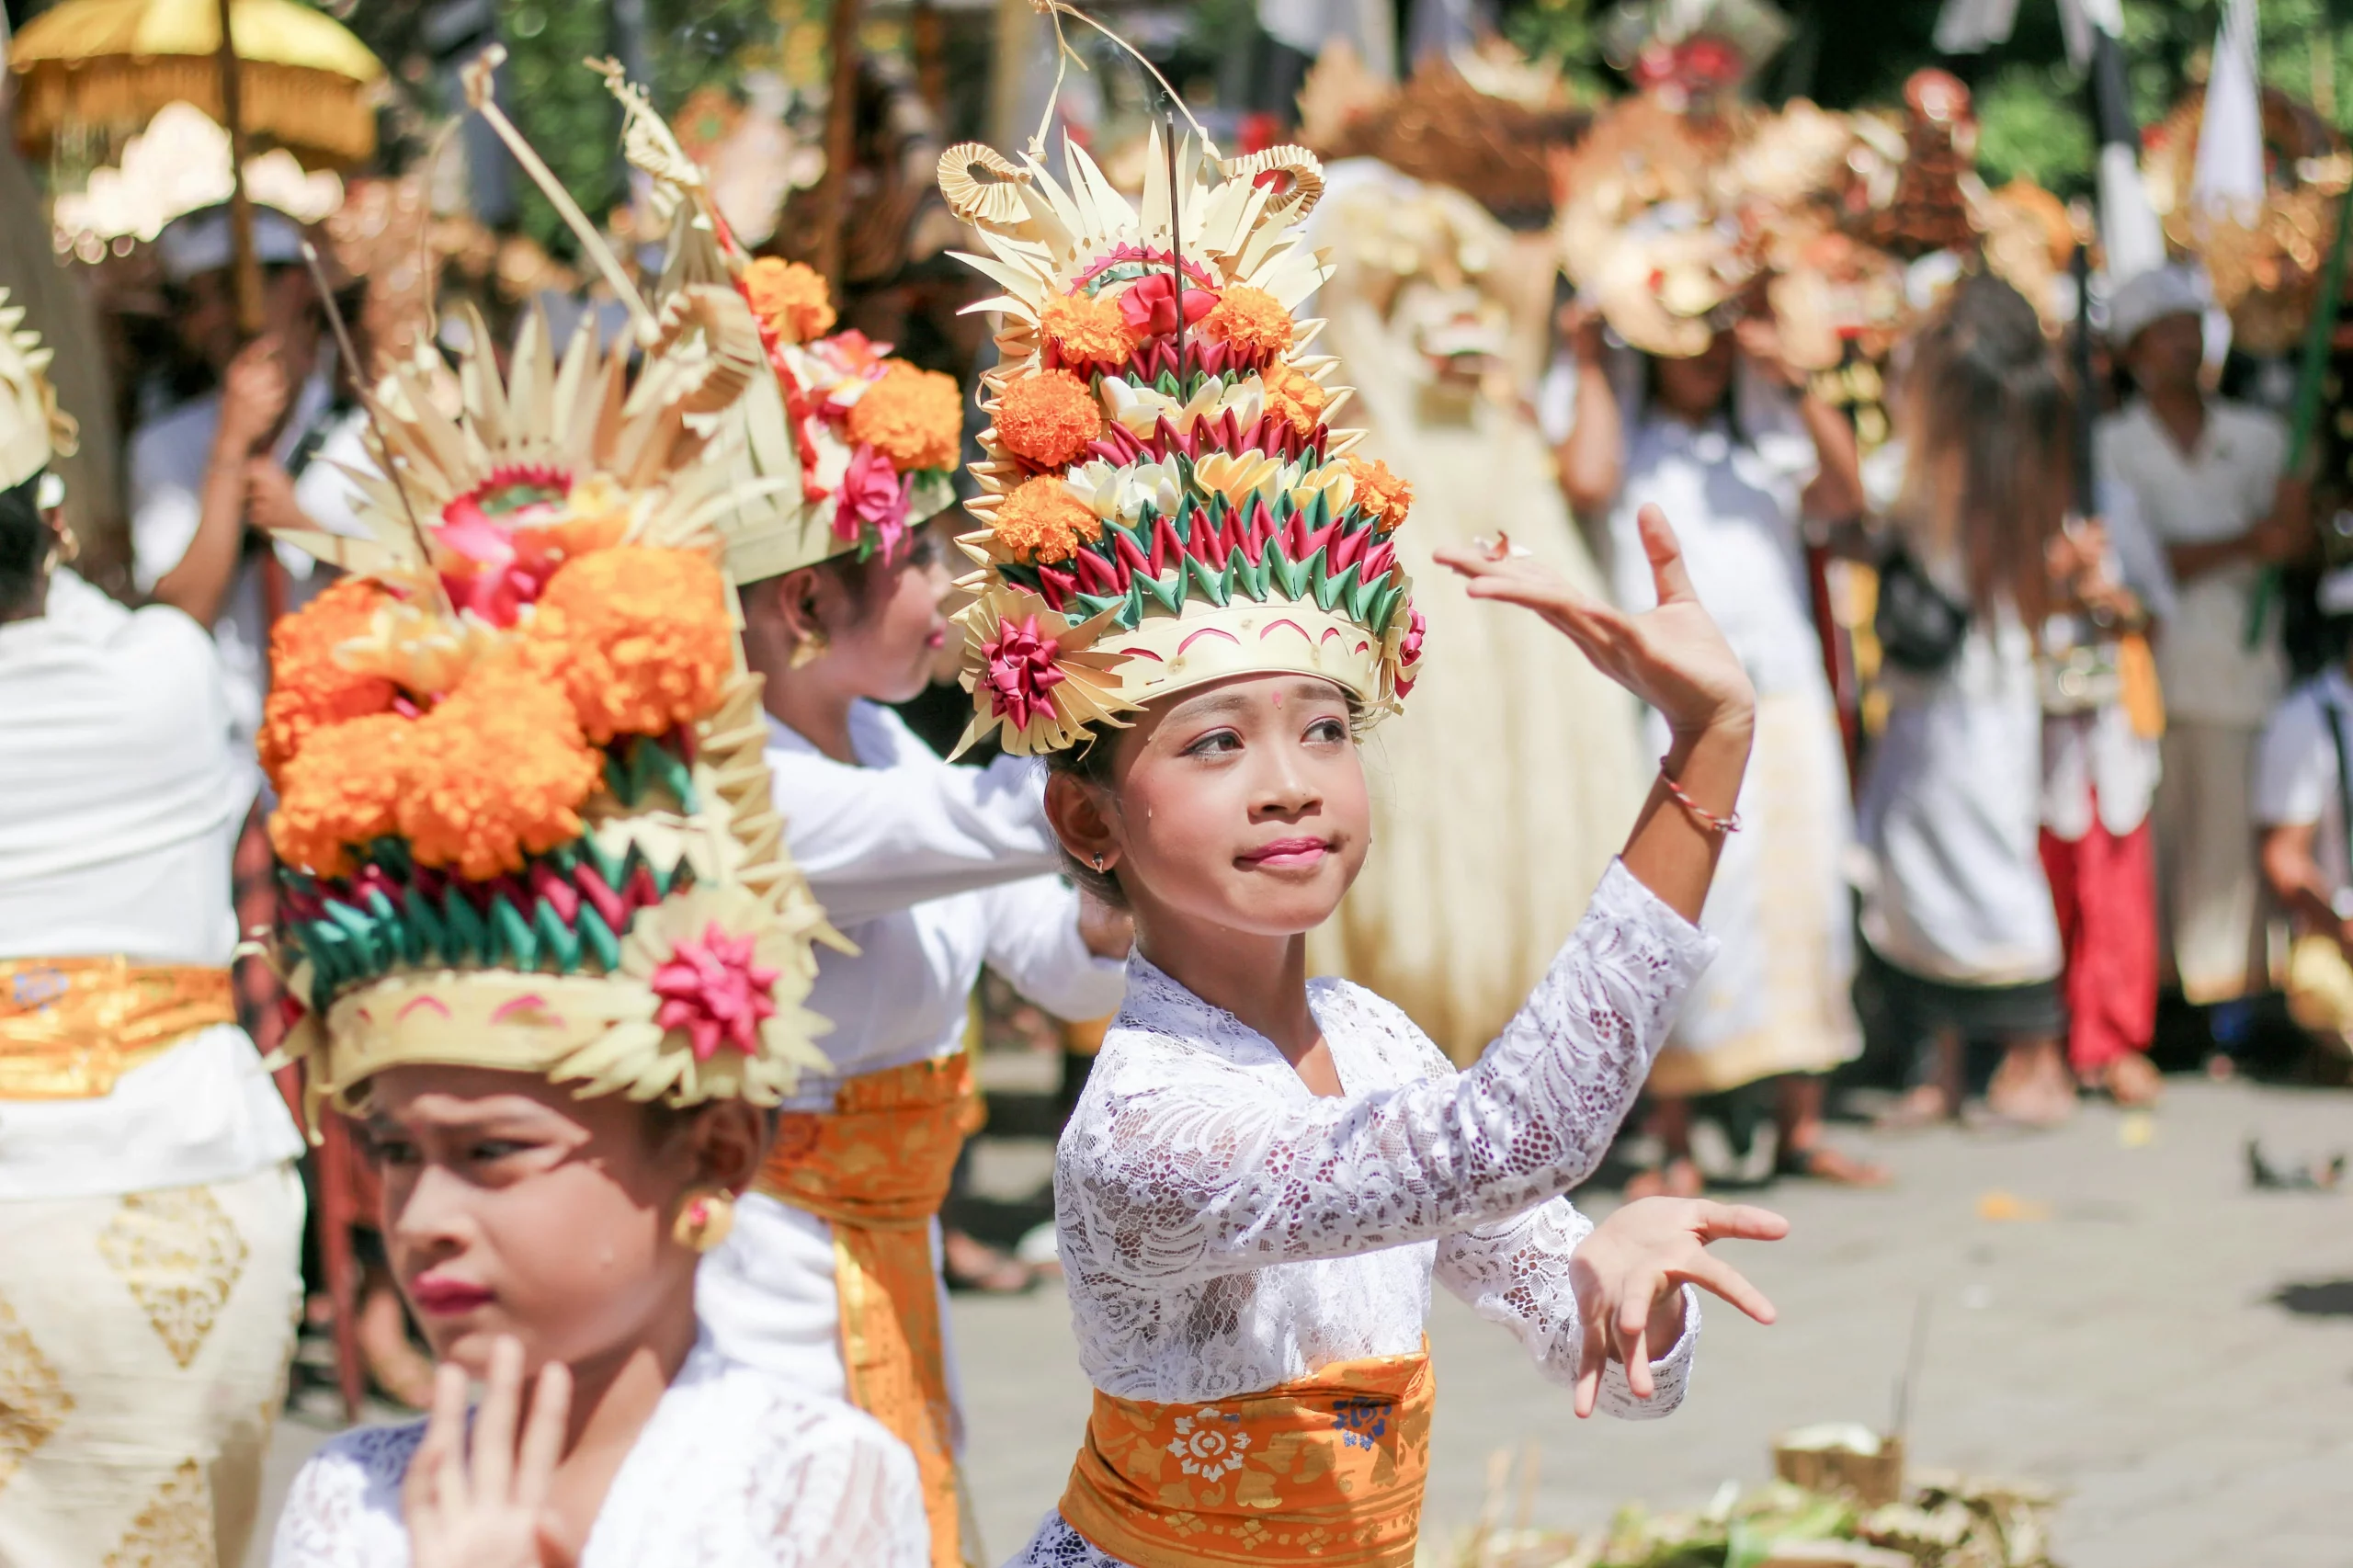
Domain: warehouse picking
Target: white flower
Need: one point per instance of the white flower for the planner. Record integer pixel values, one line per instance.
(1141, 408)
(1119, 492)
(1205, 1450)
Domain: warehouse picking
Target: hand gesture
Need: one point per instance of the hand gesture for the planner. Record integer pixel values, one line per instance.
(269, 497)
(1579, 324)
(488, 1508)
(1628, 1276)
(1672, 657)
(253, 395)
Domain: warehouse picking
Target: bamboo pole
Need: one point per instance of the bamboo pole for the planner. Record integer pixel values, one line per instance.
(241, 208)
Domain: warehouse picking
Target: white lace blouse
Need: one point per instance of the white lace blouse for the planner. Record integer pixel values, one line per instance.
(735, 1470)
(1224, 1230)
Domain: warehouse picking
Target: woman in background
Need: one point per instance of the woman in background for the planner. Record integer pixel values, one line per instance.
(1958, 913)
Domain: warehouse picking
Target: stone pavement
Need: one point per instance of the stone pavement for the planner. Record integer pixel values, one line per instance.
(2132, 1321)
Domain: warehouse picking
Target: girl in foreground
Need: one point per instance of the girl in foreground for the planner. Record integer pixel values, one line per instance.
(555, 959)
(1263, 1175)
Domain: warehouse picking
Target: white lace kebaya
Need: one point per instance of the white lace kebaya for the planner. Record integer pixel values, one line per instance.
(735, 1470)
(1224, 1230)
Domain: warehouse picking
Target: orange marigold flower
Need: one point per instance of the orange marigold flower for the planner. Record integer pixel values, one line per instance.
(497, 771)
(1296, 395)
(1086, 330)
(913, 417)
(1049, 419)
(343, 788)
(791, 297)
(1041, 522)
(1251, 320)
(641, 635)
(309, 688)
(1380, 491)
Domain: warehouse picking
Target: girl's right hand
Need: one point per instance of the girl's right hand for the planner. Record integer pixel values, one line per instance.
(1673, 657)
(487, 1508)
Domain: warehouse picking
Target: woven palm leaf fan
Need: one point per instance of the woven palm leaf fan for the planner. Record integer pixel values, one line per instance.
(304, 81)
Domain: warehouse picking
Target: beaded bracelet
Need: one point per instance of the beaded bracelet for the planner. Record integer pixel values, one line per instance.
(1708, 822)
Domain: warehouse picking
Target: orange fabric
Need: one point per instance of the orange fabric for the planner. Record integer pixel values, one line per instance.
(1328, 1470)
(877, 1167)
(70, 1027)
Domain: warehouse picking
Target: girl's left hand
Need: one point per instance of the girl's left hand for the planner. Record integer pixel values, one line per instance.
(1673, 657)
(1628, 1276)
(487, 1508)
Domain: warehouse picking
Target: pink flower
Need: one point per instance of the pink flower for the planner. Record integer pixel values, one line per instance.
(493, 578)
(1149, 303)
(1409, 651)
(1020, 671)
(873, 495)
(715, 991)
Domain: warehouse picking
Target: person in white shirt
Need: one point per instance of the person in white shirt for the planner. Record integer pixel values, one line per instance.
(1720, 441)
(150, 1216)
(2301, 778)
(264, 448)
(2209, 477)
(931, 870)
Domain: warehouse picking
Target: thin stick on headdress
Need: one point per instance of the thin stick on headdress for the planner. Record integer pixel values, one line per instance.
(1176, 245)
(367, 405)
(1054, 11)
(479, 78)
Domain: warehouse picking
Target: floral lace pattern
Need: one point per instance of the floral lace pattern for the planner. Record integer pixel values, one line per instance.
(1224, 1230)
(734, 1471)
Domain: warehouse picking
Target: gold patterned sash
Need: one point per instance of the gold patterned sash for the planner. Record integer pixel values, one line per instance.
(1328, 1470)
(70, 1027)
(877, 1167)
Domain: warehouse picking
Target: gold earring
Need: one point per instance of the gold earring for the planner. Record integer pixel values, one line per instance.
(809, 649)
(704, 1219)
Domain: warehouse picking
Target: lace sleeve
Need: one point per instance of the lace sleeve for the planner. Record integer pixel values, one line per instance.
(343, 1510)
(845, 1494)
(1186, 1179)
(1516, 1273)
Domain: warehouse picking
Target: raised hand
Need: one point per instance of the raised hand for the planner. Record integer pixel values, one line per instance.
(483, 1505)
(1672, 657)
(1628, 1276)
(252, 396)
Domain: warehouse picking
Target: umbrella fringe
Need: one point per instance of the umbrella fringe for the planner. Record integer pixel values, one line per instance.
(306, 110)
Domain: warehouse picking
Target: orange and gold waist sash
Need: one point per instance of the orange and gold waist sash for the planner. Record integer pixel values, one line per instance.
(878, 1166)
(70, 1027)
(1328, 1470)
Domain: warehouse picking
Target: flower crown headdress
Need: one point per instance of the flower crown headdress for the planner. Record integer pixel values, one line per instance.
(32, 427)
(1166, 501)
(524, 815)
(869, 442)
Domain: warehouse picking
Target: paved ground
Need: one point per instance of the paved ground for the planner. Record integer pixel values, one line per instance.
(2130, 1320)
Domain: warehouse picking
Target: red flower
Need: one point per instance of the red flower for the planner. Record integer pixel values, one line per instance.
(714, 990)
(1150, 304)
(871, 496)
(1020, 674)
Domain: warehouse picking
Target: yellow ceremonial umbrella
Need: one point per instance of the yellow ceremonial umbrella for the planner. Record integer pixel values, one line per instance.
(276, 68)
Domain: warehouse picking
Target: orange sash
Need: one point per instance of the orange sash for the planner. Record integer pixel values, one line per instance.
(1328, 1470)
(70, 1027)
(877, 1167)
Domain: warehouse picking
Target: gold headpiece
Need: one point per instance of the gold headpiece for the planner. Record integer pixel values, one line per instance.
(33, 428)
(850, 448)
(523, 807)
(1166, 501)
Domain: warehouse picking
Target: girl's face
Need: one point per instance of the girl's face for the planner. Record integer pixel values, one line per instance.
(511, 1207)
(1240, 806)
(885, 644)
(1693, 388)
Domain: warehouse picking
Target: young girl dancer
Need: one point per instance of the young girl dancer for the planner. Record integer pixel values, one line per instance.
(1190, 604)
(929, 870)
(551, 952)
